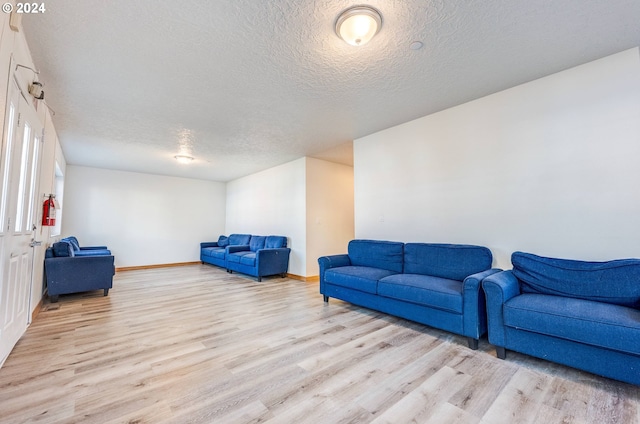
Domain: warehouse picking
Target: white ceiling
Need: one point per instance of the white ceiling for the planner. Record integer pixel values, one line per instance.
(244, 85)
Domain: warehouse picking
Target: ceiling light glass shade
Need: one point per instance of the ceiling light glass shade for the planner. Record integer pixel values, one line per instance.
(357, 25)
(183, 158)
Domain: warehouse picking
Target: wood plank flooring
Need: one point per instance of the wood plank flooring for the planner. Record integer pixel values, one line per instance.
(197, 345)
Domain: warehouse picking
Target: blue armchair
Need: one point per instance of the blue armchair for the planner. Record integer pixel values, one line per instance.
(66, 273)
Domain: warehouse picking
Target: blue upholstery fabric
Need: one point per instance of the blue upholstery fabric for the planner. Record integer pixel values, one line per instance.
(223, 241)
(69, 274)
(440, 293)
(375, 274)
(377, 254)
(596, 323)
(275, 242)
(455, 262)
(614, 282)
(239, 239)
(256, 242)
(254, 255)
(92, 252)
(360, 278)
(562, 310)
(62, 249)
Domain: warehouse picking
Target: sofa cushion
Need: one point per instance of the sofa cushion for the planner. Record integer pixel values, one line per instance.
(256, 243)
(248, 259)
(360, 278)
(611, 282)
(236, 257)
(62, 249)
(239, 239)
(274, 242)
(214, 252)
(436, 292)
(223, 241)
(73, 242)
(386, 255)
(451, 261)
(584, 321)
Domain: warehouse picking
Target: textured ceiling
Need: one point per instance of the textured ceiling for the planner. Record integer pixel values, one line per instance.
(244, 85)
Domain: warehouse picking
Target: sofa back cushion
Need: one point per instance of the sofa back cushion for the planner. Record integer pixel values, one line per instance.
(62, 249)
(73, 242)
(239, 239)
(616, 282)
(223, 241)
(377, 254)
(452, 261)
(256, 242)
(274, 242)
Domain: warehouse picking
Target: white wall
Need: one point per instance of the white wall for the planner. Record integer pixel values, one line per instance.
(272, 202)
(549, 167)
(330, 224)
(144, 219)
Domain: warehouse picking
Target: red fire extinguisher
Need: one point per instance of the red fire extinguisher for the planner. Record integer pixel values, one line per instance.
(49, 212)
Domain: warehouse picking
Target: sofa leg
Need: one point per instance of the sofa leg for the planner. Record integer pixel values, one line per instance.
(283, 275)
(54, 298)
(501, 352)
(259, 279)
(473, 343)
(106, 292)
(325, 298)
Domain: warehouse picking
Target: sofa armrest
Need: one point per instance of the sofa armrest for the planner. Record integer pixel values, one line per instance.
(208, 244)
(333, 261)
(93, 248)
(237, 248)
(498, 289)
(474, 308)
(272, 261)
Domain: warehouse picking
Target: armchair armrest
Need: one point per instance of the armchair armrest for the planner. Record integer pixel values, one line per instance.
(237, 248)
(208, 244)
(474, 308)
(498, 289)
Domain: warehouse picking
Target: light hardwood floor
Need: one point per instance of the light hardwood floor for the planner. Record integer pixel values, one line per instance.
(197, 345)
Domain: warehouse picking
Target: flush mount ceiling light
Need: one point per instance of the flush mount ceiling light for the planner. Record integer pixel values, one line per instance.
(183, 158)
(357, 25)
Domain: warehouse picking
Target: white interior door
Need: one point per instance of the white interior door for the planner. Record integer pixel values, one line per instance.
(19, 173)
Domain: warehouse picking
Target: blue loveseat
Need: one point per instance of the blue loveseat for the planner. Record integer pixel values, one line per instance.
(434, 284)
(67, 273)
(259, 256)
(582, 314)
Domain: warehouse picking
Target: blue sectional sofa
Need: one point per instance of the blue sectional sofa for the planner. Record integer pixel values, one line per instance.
(258, 256)
(434, 284)
(67, 273)
(582, 314)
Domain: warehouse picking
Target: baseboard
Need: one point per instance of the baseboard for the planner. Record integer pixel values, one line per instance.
(37, 309)
(135, 268)
(306, 279)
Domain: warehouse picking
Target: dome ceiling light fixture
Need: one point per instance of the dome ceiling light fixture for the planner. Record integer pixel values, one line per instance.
(183, 159)
(358, 24)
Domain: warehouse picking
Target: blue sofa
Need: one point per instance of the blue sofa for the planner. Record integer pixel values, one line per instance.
(582, 314)
(66, 273)
(434, 284)
(263, 256)
(258, 256)
(215, 252)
